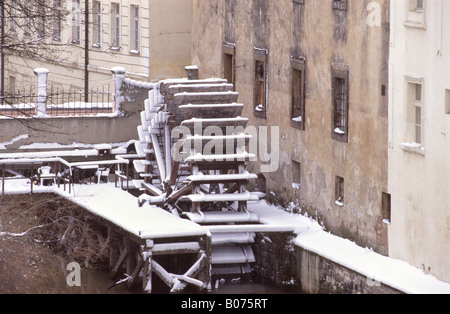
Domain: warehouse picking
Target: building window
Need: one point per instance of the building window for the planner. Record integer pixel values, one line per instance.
(12, 85)
(229, 63)
(386, 207)
(447, 101)
(97, 24)
(296, 174)
(340, 102)
(415, 16)
(135, 37)
(298, 116)
(415, 113)
(260, 84)
(339, 191)
(58, 22)
(28, 10)
(42, 22)
(340, 4)
(76, 22)
(115, 31)
(299, 1)
(416, 5)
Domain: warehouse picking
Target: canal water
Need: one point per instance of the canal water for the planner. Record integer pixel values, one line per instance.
(98, 282)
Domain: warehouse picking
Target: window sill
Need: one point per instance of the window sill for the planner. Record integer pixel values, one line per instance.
(134, 52)
(97, 46)
(413, 148)
(260, 112)
(300, 125)
(339, 136)
(415, 24)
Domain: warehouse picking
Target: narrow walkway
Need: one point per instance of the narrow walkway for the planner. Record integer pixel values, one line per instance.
(121, 208)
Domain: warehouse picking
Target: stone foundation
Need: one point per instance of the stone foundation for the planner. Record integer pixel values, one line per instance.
(281, 263)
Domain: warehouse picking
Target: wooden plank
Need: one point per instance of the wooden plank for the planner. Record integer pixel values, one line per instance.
(207, 198)
(151, 189)
(252, 228)
(192, 272)
(165, 276)
(223, 158)
(176, 248)
(200, 124)
(183, 191)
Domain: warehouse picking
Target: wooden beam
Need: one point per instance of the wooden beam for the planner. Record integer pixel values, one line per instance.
(165, 276)
(176, 248)
(147, 256)
(183, 191)
(192, 272)
(174, 172)
(135, 275)
(119, 263)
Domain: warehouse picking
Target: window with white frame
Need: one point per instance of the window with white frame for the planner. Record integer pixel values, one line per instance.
(58, 22)
(115, 31)
(76, 22)
(414, 99)
(416, 5)
(415, 14)
(97, 24)
(135, 29)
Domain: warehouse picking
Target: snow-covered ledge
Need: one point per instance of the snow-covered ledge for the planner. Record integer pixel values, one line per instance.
(41, 99)
(413, 148)
(119, 78)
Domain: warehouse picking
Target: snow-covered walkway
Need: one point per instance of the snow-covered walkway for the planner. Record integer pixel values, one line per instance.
(121, 208)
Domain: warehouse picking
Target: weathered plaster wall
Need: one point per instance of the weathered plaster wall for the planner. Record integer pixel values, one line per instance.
(419, 178)
(322, 35)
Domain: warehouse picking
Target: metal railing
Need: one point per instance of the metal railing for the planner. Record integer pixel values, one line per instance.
(59, 103)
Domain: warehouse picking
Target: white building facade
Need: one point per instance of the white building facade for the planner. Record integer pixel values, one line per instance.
(151, 39)
(418, 207)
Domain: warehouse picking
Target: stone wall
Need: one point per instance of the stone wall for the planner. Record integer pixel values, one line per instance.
(311, 161)
(280, 262)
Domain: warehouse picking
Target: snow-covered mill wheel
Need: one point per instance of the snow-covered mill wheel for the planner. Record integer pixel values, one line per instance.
(193, 163)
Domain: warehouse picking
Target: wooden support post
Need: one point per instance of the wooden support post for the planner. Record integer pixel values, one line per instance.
(147, 256)
(135, 275)
(114, 239)
(120, 261)
(131, 259)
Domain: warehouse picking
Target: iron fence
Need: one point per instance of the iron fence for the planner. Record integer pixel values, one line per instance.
(59, 103)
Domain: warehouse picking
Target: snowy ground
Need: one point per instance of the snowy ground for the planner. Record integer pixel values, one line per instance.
(121, 207)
